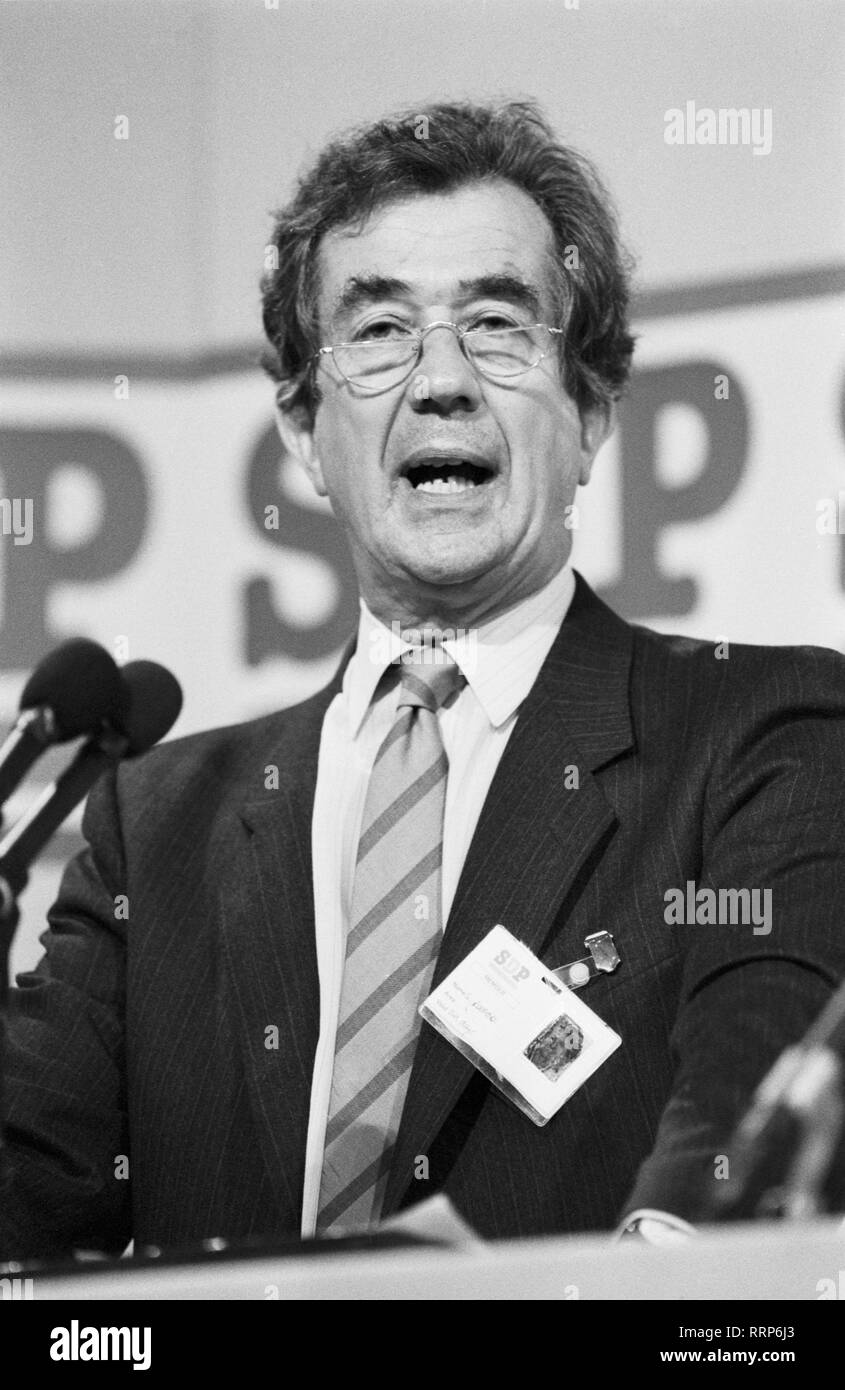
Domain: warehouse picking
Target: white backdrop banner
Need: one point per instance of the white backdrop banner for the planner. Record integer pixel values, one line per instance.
(153, 510)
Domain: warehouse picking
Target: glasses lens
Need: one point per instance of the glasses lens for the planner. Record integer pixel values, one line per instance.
(506, 351)
(375, 362)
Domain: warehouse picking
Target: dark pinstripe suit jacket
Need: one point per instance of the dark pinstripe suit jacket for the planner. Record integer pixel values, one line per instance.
(153, 1037)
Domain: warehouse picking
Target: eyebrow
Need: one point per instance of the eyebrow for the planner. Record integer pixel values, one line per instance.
(503, 285)
(368, 289)
(360, 290)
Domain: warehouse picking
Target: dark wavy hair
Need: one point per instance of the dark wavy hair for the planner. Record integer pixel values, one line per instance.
(436, 150)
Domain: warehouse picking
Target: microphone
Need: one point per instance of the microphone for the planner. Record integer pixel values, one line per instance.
(72, 691)
(152, 701)
(795, 1119)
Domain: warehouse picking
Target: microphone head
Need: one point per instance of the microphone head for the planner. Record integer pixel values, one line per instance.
(81, 683)
(154, 703)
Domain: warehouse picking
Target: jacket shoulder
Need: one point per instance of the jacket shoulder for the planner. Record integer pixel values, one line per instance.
(742, 665)
(225, 762)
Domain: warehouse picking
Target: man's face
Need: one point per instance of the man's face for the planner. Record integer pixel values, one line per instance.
(479, 255)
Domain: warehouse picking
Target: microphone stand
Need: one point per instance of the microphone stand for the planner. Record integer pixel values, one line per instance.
(784, 1148)
(818, 1100)
(813, 1102)
(9, 918)
(20, 846)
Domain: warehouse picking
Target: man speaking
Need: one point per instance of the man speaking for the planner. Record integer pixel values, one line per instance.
(245, 1054)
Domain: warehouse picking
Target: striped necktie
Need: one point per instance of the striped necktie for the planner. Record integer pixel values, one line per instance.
(391, 946)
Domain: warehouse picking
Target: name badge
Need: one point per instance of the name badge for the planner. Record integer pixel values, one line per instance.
(519, 1025)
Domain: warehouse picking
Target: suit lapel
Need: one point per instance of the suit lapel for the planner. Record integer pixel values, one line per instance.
(543, 825)
(268, 942)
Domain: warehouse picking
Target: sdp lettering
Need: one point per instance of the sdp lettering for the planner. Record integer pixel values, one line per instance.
(511, 967)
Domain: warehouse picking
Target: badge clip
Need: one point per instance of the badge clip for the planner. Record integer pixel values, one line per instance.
(602, 960)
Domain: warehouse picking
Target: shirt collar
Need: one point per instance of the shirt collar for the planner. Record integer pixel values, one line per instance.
(501, 658)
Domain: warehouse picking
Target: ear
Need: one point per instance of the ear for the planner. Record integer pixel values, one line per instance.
(296, 430)
(597, 425)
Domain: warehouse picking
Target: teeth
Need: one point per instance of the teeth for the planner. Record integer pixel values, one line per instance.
(450, 484)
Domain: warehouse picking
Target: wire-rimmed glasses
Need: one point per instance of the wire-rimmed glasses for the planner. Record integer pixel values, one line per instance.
(379, 363)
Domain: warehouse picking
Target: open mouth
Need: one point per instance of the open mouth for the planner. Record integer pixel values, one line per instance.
(447, 475)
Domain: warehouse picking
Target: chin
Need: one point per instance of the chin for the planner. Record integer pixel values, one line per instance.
(446, 565)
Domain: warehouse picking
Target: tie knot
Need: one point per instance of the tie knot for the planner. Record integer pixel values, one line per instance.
(429, 676)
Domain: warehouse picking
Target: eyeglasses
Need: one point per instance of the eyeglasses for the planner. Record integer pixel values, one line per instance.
(377, 364)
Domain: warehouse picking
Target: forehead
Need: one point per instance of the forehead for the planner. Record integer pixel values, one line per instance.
(434, 242)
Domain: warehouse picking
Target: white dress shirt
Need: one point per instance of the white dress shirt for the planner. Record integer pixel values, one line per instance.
(501, 660)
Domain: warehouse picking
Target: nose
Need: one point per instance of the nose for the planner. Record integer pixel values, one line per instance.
(444, 379)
